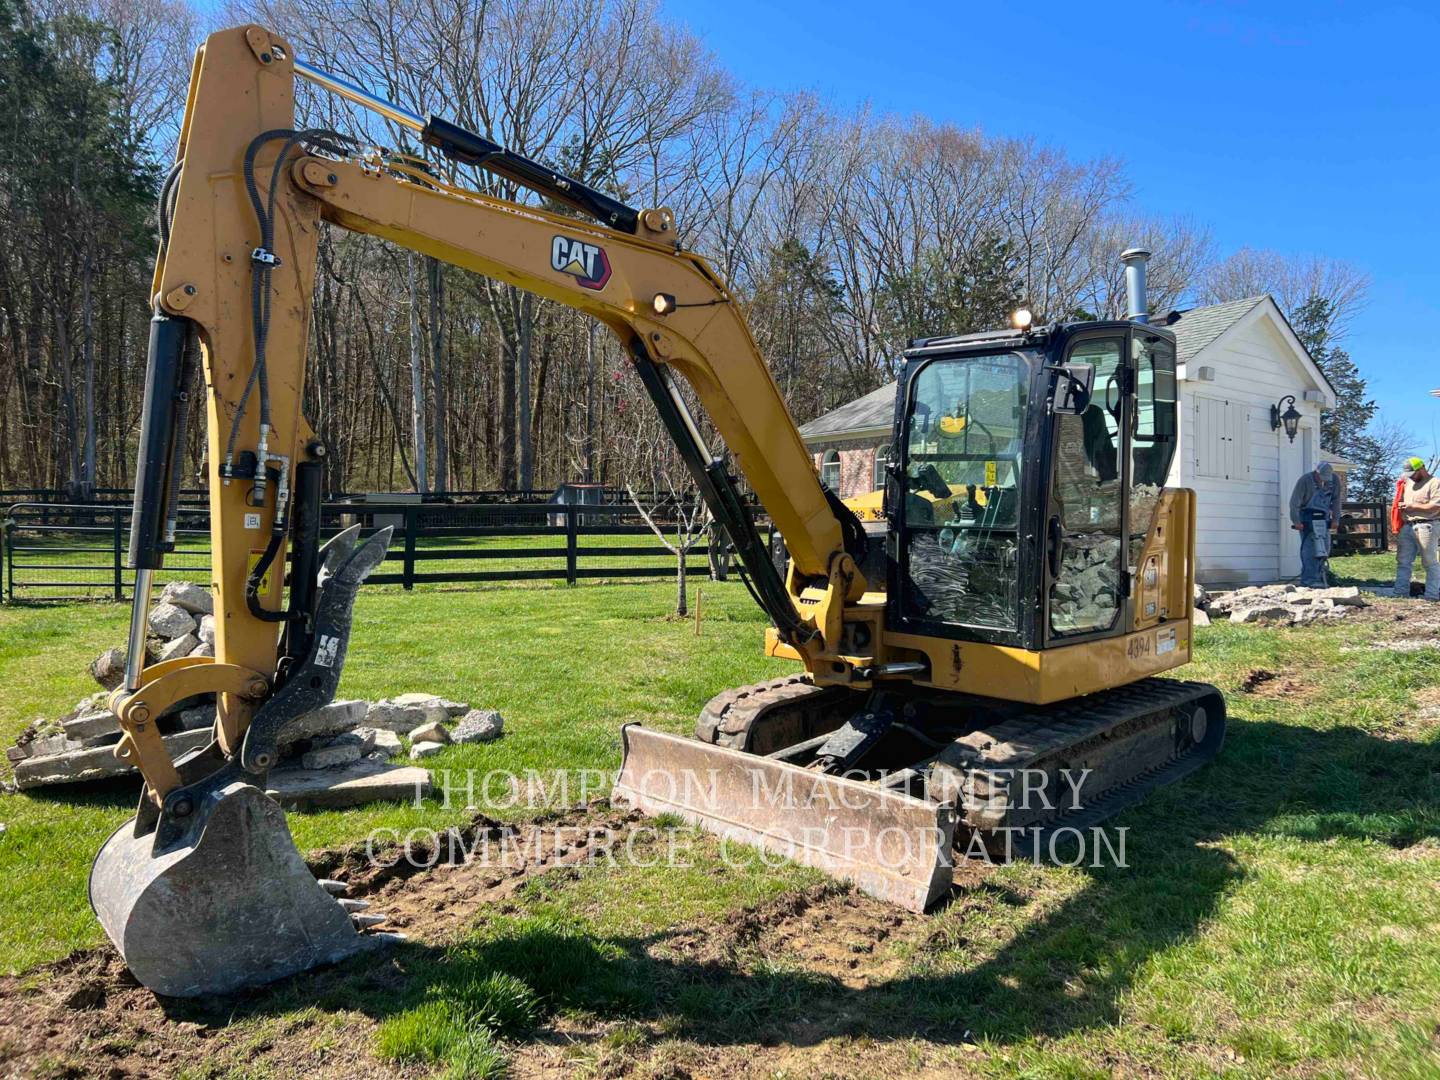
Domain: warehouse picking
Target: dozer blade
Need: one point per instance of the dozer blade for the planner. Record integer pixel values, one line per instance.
(893, 846)
(236, 908)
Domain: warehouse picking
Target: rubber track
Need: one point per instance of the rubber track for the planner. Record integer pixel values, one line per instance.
(1029, 739)
(730, 717)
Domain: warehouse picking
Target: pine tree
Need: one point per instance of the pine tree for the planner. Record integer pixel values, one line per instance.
(1342, 429)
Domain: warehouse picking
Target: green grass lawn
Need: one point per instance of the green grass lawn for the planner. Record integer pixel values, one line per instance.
(1279, 914)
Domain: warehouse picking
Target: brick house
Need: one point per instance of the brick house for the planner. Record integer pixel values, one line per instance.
(1235, 361)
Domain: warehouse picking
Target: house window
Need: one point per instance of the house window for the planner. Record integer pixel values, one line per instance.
(830, 470)
(882, 459)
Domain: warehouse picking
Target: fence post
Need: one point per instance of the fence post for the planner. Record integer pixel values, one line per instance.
(119, 561)
(1383, 514)
(408, 574)
(571, 552)
(7, 527)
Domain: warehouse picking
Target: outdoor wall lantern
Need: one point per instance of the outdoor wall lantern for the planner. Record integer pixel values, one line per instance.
(1290, 417)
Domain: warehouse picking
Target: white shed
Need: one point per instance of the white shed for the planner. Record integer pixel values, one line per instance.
(1237, 361)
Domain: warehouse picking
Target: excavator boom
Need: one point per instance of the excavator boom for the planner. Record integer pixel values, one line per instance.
(240, 214)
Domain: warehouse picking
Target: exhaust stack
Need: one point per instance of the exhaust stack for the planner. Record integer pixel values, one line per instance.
(1137, 303)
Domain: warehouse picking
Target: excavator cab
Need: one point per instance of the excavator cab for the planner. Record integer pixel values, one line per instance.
(1016, 505)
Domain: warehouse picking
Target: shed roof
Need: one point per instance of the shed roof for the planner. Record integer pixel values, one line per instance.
(1197, 329)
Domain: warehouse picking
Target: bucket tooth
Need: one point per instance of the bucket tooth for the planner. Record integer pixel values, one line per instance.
(236, 907)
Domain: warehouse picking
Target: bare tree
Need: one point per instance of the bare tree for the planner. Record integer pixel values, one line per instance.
(1291, 280)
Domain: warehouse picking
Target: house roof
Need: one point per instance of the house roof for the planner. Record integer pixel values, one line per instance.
(872, 414)
(1195, 331)
(1199, 328)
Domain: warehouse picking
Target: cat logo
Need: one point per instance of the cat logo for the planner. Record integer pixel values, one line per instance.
(586, 263)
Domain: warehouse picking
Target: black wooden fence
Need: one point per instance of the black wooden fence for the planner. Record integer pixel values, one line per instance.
(1364, 528)
(62, 551)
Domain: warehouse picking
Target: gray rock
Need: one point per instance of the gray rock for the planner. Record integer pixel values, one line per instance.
(46, 745)
(436, 708)
(170, 621)
(108, 669)
(363, 781)
(207, 630)
(91, 725)
(324, 722)
(1261, 613)
(184, 594)
(392, 716)
(94, 763)
(387, 742)
(431, 732)
(1349, 595)
(180, 646)
(425, 749)
(205, 648)
(201, 717)
(479, 725)
(1200, 618)
(341, 750)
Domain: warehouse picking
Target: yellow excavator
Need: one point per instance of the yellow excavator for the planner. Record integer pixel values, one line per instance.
(961, 666)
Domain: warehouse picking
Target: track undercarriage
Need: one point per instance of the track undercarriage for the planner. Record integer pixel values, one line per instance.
(887, 787)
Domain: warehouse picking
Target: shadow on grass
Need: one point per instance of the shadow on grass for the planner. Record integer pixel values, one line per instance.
(1067, 970)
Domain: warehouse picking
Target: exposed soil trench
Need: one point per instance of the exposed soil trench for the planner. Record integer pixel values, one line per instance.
(86, 1016)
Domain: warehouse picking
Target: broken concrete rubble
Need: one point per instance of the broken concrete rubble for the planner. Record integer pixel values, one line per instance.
(425, 749)
(171, 621)
(323, 723)
(340, 750)
(441, 708)
(95, 763)
(386, 742)
(479, 725)
(180, 646)
(108, 669)
(431, 732)
(184, 594)
(371, 779)
(1285, 604)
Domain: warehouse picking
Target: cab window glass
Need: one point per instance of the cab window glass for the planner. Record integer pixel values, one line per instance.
(1152, 445)
(962, 471)
(1086, 499)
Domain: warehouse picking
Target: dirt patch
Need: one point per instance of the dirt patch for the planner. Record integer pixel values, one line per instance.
(1270, 684)
(87, 1016)
(829, 930)
(1400, 620)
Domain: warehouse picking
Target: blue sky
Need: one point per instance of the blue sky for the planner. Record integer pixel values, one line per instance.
(1308, 128)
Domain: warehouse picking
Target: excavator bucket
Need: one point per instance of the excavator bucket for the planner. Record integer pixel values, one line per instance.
(235, 908)
(209, 894)
(891, 845)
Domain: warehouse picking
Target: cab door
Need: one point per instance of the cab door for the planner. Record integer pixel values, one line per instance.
(1085, 566)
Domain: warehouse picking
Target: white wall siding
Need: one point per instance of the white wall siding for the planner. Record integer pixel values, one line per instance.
(1231, 457)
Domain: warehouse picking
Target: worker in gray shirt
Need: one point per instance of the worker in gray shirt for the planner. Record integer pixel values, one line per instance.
(1315, 513)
